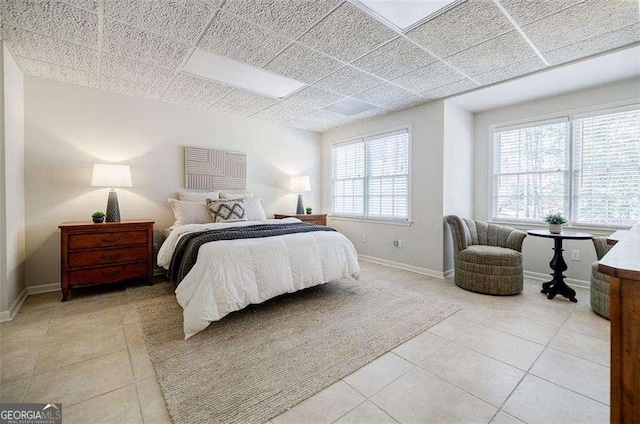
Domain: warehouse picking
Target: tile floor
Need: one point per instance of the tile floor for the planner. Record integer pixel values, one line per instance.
(500, 360)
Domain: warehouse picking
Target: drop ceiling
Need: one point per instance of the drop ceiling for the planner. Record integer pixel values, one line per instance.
(338, 49)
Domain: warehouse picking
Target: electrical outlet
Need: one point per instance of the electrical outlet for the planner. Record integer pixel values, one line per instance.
(398, 243)
(364, 238)
(575, 255)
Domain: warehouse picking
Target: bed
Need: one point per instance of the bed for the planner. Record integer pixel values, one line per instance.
(229, 274)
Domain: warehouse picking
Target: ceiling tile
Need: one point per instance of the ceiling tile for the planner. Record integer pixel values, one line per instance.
(90, 5)
(302, 64)
(595, 45)
(181, 20)
(406, 103)
(383, 94)
(130, 70)
(526, 11)
(512, 70)
(495, 53)
(321, 117)
(57, 72)
(282, 112)
(299, 123)
(124, 40)
(47, 49)
(130, 88)
(394, 59)
(461, 27)
(450, 89)
(313, 97)
(53, 18)
(243, 103)
(347, 81)
(435, 75)
(347, 33)
(287, 17)
(230, 36)
(580, 22)
(195, 92)
(376, 111)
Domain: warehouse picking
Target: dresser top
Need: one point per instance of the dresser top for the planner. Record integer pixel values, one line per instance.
(123, 223)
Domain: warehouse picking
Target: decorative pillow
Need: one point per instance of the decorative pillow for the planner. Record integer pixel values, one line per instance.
(253, 210)
(198, 196)
(226, 210)
(189, 212)
(236, 196)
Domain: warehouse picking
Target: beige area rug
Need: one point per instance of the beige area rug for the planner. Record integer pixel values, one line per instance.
(256, 363)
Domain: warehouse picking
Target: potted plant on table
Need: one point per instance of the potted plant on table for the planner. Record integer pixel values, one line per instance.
(98, 217)
(555, 221)
(309, 210)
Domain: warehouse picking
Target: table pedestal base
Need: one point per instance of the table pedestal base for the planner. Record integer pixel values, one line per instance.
(557, 286)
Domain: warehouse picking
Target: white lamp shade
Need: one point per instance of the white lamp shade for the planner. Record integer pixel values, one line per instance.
(300, 183)
(105, 175)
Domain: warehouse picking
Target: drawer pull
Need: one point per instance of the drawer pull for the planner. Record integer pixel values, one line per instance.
(113, 240)
(110, 257)
(109, 274)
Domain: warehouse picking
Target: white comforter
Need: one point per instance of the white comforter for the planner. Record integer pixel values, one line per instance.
(231, 274)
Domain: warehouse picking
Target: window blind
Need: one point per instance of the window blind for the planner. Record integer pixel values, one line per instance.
(606, 169)
(371, 177)
(530, 170)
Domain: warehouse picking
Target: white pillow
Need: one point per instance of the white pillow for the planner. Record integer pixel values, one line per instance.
(186, 212)
(198, 196)
(236, 196)
(253, 210)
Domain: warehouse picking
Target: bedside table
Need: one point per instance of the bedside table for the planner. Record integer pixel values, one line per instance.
(105, 253)
(314, 218)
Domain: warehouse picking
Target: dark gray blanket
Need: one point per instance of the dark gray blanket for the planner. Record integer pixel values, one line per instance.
(186, 253)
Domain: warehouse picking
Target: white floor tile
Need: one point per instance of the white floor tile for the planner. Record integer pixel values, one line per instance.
(374, 376)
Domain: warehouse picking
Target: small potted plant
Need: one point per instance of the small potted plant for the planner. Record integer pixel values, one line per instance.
(309, 210)
(555, 221)
(98, 217)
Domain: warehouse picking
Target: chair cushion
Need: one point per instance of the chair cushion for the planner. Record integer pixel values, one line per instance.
(597, 274)
(490, 255)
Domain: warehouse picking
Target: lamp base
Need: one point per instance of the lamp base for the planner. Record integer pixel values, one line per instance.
(300, 209)
(113, 208)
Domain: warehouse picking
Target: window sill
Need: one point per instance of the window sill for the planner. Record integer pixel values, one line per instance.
(398, 222)
(520, 225)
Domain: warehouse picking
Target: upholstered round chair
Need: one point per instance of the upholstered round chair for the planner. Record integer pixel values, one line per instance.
(599, 282)
(487, 257)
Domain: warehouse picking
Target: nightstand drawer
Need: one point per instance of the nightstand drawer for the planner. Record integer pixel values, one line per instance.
(80, 259)
(108, 274)
(317, 222)
(107, 239)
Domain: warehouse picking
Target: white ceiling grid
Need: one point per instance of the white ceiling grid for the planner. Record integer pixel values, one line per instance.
(338, 48)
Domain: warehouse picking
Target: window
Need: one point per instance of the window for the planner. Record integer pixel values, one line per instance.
(370, 176)
(587, 167)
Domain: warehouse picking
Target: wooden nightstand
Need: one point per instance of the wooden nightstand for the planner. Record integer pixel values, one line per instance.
(105, 253)
(315, 218)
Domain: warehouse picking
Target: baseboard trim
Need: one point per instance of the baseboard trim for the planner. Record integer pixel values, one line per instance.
(9, 314)
(570, 281)
(406, 267)
(449, 274)
(44, 288)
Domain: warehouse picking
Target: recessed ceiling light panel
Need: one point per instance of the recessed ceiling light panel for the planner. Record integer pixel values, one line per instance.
(348, 107)
(404, 13)
(228, 71)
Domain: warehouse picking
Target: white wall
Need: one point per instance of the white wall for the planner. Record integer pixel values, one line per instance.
(457, 170)
(537, 251)
(423, 239)
(69, 128)
(12, 238)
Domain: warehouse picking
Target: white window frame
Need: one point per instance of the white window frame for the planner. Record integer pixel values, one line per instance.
(570, 115)
(363, 138)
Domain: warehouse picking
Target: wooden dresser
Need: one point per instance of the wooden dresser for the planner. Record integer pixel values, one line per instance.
(314, 218)
(622, 265)
(105, 253)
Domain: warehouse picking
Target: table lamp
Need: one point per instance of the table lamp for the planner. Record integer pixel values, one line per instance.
(300, 184)
(105, 175)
